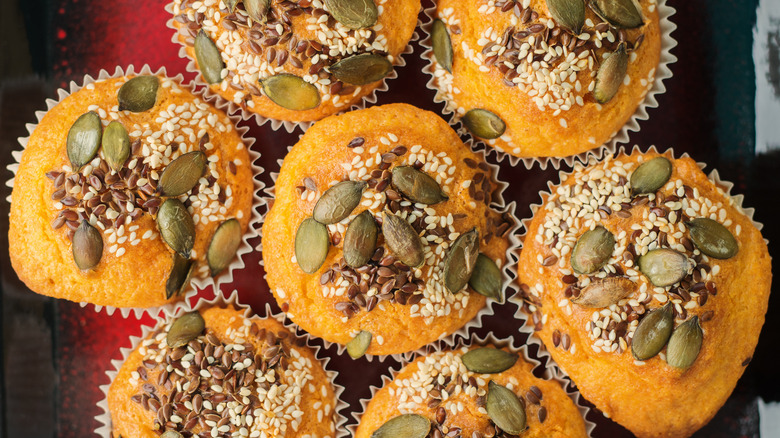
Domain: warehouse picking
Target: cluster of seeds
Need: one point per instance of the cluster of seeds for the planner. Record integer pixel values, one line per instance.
(254, 48)
(439, 384)
(120, 170)
(668, 256)
(560, 62)
(198, 384)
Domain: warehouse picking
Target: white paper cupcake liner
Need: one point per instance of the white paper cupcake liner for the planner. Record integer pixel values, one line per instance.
(509, 269)
(662, 72)
(257, 201)
(549, 372)
(105, 417)
(276, 124)
(726, 186)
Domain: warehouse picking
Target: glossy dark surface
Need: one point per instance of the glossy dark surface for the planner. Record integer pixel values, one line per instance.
(56, 353)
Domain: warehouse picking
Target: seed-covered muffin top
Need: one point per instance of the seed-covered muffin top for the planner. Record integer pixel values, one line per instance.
(126, 189)
(295, 60)
(217, 373)
(544, 78)
(470, 392)
(382, 230)
(641, 267)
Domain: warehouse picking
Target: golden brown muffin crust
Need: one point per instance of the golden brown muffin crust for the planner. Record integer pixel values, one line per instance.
(256, 46)
(464, 408)
(652, 398)
(322, 157)
(570, 121)
(312, 394)
(135, 265)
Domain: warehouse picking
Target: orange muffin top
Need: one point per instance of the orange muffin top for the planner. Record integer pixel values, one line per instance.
(453, 393)
(346, 248)
(535, 80)
(641, 269)
(295, 61)
(119, 207)
(223, 374)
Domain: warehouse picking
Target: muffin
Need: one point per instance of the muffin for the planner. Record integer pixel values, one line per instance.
(294, 61)
(544, 78)
(382, 218)
(648, 284)
(470, 392)
(128, 188)
(216, 372)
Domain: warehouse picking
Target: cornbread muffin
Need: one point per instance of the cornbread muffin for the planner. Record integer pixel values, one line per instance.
(641, 269)
(463, 393)
(348, 252)
(533, 78)
(128, 188)
(296, 60)
(223, 375)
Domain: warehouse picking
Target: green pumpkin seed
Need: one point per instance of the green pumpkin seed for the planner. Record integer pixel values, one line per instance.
(402, 240)
(619, 13)
(138, 94)
(460, 261)
(664, 267)
(223, 246)
(84, 139)
(209, 59)
(361, 69)
(183, 173)
(418, 186)
(357, 347)
(653, 332)
(181, 273)
(569, 14)
(592, 250)
(505, 409)
(171, 434)
(291, 92)
(87, 246)
(311, 245)
(712, 238)
(354, 14)
(231, 5)
(484, 124)
(186, 328)
(404, 426)
(257, 10)
(176, 226)
(685, 344)
(442, 45)
(338, 202)
(610, 75)
(116, 145)
(651, 176)
(604, 292)
(486, 278)
(488, 360)
(360, 239)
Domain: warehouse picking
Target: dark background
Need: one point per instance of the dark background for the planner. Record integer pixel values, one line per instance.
(55, 353)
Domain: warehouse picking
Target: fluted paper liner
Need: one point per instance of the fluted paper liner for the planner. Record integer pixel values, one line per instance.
(662, 72)
(549, 373)
(509, 270)
(276, 124)
(105, 417)
(257, 201)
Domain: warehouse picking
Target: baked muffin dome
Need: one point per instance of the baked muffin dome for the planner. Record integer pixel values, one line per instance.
(648, 284)
(295, 61)
(120, 207)
(529, 84)
(452, 396)
(389, 291)
(221, 362)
